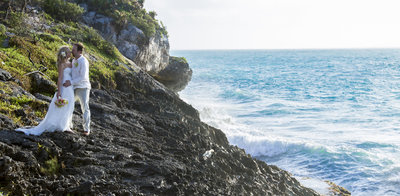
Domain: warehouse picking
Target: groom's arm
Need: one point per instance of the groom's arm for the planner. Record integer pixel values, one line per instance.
(83, 70)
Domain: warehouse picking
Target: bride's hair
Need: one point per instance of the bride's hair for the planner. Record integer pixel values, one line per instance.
(62, 55)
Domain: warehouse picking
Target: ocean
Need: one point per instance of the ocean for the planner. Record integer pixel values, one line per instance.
(319, 114)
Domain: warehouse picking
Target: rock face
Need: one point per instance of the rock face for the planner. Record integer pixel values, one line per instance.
(42, 85)
(176, 75)
(151, 54)
(154, 57)
(5, 75)
(144, 141)
(126, 40)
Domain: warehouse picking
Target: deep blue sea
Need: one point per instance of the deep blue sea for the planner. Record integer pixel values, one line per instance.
(319, 114)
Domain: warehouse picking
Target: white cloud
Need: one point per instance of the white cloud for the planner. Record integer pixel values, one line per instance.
(229, 24)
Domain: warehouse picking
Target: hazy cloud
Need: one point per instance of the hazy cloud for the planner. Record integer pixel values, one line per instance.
(219, 24)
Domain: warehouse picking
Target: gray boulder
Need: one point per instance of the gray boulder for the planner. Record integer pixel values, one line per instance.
(176, 75)
(4, 75)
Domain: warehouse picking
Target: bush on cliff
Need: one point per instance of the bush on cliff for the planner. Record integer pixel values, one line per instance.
(17, 22)
(30, 50)
(62, 10)
(3, 30)
(125, 11)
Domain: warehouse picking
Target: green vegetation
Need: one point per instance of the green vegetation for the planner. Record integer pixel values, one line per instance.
(3, 30)
(20, 100)
(43, 47)
(11, 105)
(16, 20)
(62, 10)
(125, 11)
(3, 194)
(32, 50)
(52, 166)
(179, 59)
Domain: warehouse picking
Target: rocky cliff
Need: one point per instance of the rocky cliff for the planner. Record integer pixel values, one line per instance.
(149, 53)
(145, 140)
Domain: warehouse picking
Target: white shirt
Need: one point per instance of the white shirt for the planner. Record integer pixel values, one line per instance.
(80, 73)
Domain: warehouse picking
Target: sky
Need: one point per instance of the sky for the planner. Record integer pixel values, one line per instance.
(279, 24)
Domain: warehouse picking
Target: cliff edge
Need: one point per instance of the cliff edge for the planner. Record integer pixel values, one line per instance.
(145, 140)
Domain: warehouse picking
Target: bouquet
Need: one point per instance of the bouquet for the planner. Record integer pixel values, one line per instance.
(60, 102)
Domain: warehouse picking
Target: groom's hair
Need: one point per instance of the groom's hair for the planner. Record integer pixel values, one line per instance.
(79, 47)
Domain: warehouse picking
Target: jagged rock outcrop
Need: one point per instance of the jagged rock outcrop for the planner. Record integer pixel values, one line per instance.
(151, 54)
(176, 75)
(145, 140)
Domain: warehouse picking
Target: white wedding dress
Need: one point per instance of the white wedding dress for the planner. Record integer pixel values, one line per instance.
(57, 119)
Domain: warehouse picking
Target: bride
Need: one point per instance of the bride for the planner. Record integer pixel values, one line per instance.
(59, 116)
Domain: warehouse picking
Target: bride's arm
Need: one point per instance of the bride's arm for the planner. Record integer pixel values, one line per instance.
(60, 79)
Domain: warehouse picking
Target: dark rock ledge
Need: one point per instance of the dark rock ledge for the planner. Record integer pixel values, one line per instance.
(144, 141)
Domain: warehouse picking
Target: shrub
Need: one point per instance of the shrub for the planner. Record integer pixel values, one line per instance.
(16, 20)
(178, 59)
(162, 29)
(3, 30)
(144, 23)
(63, 10)
(125, 11)
(95, 39)
(52, 166)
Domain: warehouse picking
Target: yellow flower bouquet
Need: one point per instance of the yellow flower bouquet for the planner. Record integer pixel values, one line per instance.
(61, 102)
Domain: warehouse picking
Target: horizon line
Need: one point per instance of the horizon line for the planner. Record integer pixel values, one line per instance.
(344, 48)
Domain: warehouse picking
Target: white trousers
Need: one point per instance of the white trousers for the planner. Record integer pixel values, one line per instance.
(82, 94)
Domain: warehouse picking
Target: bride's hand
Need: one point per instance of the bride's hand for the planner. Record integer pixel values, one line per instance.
(58, 94)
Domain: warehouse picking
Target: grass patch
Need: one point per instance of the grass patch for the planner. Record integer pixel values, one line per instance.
(11, 105)
(3, 30)
(20, 100)
(178, 59)
(51, 166)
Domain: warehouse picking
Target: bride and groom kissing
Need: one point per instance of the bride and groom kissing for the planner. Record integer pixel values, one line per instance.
(73, 84)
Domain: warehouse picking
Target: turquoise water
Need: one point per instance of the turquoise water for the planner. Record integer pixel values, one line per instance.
(325, 114)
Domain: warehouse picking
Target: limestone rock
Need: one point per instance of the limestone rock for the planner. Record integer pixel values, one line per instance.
(154, 56)
(4, 75)
(151, 54)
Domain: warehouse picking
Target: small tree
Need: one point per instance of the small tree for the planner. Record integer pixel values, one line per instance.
(153, 14)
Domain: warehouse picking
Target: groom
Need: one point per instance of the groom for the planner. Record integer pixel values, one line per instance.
(81, 83)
